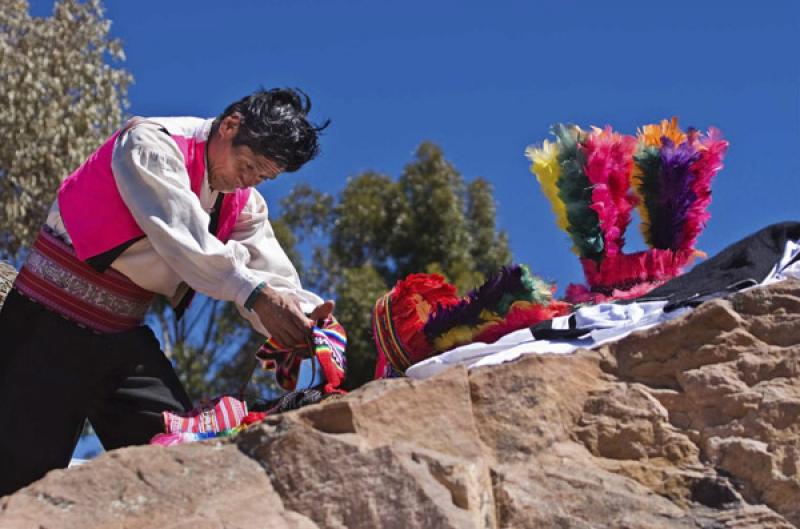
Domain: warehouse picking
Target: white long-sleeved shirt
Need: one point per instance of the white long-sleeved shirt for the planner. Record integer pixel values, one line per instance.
(177, 249)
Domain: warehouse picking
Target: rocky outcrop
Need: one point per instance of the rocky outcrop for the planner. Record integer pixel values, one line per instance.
(692, 424)
(191, 486)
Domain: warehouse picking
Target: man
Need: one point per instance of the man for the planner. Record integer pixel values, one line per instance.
(165, 206)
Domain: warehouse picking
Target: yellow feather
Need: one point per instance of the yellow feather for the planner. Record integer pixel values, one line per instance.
(464, 334)
(636, 181)
(454, 337)
(547, 170)
(488, 317)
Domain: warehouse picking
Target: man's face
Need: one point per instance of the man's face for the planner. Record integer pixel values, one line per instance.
(236, 166)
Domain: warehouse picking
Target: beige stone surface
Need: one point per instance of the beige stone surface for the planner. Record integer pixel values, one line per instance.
(204, 485)
(691, 424)
(730, 369)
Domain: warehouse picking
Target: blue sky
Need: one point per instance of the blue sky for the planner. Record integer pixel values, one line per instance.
(484, 80)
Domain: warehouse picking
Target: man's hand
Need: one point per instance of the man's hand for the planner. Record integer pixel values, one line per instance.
(283, 319)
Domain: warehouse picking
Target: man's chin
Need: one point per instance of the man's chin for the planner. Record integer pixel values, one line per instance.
(223, 187)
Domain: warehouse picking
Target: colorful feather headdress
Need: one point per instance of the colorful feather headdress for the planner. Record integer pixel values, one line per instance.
(422, 315)
(594, 179)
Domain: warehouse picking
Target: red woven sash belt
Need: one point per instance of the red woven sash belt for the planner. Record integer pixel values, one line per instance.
(105, 302)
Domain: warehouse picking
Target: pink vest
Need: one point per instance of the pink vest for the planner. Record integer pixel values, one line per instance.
(94, 213)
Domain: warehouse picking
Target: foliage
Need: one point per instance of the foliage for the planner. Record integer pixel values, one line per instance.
(212, 348)
(59, 98)
(379, 230)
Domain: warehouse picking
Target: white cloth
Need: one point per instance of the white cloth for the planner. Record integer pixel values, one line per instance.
(152, 180)
(784, 270)
(605, 323)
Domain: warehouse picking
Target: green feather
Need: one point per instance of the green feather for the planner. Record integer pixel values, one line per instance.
(532, 289)
(575, 190)
(648, 159)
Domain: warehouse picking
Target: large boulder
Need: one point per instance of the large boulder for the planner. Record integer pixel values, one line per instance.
(691, 424)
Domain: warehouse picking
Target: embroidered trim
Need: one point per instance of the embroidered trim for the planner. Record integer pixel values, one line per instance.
(386, 339)
(54, 277)
(73, 285)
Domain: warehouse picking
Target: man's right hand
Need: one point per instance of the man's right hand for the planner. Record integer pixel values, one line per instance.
(282, 317)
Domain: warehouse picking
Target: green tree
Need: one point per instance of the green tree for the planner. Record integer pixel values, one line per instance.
(379, 230)
(489, 247)
(60, 96)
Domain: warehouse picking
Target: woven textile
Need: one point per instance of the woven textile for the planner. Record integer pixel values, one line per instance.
(391, 350)
(181, 437)
(106, 302)
(328, 343)
(222, 413)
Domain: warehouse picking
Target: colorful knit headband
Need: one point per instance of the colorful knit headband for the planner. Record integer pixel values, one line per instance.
(422, 315)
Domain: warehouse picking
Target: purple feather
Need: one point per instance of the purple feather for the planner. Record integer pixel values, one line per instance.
(468, 310)
(676, 196)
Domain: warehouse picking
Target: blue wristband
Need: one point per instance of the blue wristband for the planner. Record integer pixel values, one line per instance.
(251, 299)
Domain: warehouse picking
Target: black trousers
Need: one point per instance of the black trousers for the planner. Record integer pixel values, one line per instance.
(55, 374)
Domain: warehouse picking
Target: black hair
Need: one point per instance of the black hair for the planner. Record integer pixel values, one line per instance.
(274, 124)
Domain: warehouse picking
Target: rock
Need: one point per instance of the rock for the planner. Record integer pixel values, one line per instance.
(563, 489)
(397, 454)
(404, 410)
(203, 485)
(734, 366)
(691, 424)
(523, 407)
(342, 482)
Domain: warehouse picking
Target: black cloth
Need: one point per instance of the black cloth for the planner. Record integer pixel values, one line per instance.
(102, 261)
(293, 400)
(743, 264)
(54, 374)
(544, 330)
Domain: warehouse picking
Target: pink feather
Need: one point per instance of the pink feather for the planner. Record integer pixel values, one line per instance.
(609, 164)
(712, 150)
(520, 317)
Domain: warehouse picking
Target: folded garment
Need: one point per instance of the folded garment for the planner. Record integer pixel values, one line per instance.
(222, 413)
(176, 436)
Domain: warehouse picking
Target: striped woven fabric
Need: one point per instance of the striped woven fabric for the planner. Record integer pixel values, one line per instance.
(222, 413)
(390, 349)
(328, 343)
(105, 302)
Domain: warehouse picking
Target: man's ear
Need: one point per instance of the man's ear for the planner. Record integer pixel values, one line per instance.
(230, 126)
